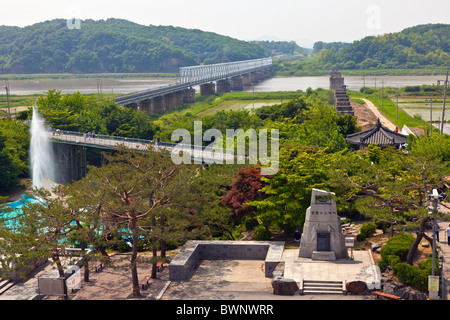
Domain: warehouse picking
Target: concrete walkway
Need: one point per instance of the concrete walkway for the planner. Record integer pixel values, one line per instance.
(445, 249)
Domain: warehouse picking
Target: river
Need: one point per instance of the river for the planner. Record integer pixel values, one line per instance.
(129, 85)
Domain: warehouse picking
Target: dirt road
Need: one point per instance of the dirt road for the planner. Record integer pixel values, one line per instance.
(384, 120)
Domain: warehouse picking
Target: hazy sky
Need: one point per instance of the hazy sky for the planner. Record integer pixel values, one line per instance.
(302, 21)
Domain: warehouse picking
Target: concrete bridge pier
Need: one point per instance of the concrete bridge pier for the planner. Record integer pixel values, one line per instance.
(236, 84)
(70, 162)
(189, 95)
(157, 105)
(247, 80)
(264, 74)
(223, 86)
(145, 106)
(207, 89)
(169, 101)
(179, 98)
(255, 77)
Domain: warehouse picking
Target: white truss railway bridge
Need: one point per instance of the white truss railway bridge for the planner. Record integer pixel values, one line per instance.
(214, 78)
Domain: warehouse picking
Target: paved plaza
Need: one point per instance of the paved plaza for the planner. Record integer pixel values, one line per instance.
(227, 279)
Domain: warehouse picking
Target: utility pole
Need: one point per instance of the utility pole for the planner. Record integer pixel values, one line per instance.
(433, 281)
(382, 93)
(375, 90)
(435, 197)
(443, 106)
(364, 85)
(431, 115)
(7, 96)
(397, 105)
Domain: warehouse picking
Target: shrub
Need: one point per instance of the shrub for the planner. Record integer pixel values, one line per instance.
(412, 89)
(261, 233)
(398, 245)
(366, 230)
(411, 275)
(4, 199)
(123, 247)
(390, 260)
(394, 252)
(366, 90)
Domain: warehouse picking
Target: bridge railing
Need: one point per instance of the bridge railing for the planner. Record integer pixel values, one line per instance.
(97, 139)
(204, 73)
(205, 152)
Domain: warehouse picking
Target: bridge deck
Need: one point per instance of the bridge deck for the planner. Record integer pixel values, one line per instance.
(112, 142)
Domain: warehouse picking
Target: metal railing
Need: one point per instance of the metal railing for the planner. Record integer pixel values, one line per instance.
(112, 142)
(207, 73)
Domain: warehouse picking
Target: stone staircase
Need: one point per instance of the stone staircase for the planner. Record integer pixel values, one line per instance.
(322, 287)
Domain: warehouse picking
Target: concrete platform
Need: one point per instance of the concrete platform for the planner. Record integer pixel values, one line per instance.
(358, 269)
(245, 279)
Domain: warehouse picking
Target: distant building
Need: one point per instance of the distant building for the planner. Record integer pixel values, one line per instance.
(378, 135)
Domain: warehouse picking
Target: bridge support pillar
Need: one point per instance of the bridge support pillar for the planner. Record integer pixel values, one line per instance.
(207, 89)
(157, 105)
(236, 84)
(169, 101)
(223, 86)
(145, 106)
(189, 95)
(70, 162)
(263, 75)
(247, 79)
(255, 77)
(179, 98)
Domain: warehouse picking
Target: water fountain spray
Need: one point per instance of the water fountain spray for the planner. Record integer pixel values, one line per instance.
(41, 153)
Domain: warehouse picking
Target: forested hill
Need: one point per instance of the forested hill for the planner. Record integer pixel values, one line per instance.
(422, 46)
(115, 45)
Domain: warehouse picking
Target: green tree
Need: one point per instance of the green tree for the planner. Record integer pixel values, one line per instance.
(388, 184)
(14, 146)
(135, 185)
(9, 171)
(36, 234)
(288, 193)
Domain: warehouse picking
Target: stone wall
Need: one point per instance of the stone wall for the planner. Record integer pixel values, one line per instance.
(193, 251)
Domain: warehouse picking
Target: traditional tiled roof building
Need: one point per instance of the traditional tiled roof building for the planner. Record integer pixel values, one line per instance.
(378, 135)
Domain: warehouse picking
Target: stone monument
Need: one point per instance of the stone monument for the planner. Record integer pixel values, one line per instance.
(322, 237)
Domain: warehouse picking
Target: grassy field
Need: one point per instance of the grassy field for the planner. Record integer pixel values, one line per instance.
(16, 103)
(208, 105)
(401, 116)
(239, 105)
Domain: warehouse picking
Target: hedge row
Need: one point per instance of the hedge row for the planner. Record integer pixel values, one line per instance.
(395, 252)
